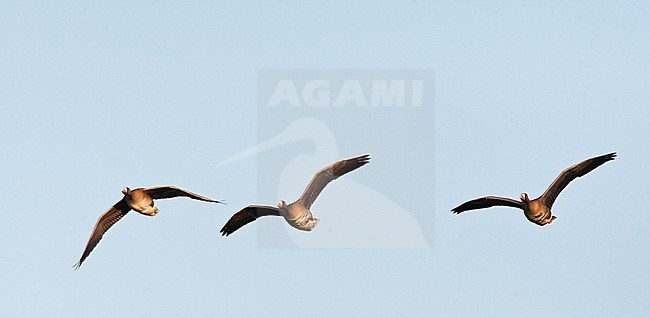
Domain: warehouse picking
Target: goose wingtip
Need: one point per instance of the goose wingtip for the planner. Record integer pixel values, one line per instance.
(224, 230)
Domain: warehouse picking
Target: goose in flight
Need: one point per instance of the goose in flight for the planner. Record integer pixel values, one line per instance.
(297, 214)
(140, 200)
(538, 211)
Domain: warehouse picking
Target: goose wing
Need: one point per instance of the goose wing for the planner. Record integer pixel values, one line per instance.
(575, 171)
(166, 192)
(105, 221)
(486, 202)
(327, 175)
(247, 215)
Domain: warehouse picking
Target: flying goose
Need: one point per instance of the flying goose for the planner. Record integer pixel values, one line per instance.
(297, 214)
(538, 211)
(140, 200)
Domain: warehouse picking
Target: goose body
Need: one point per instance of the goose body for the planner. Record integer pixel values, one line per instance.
(298, 216)
(298, 213)
(538, 211)
(140, 200)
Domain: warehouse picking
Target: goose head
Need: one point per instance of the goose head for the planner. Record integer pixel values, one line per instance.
(282, 205)
(524, 198)
(126, 191)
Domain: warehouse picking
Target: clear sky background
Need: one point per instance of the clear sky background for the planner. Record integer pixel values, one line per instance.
(95, 96)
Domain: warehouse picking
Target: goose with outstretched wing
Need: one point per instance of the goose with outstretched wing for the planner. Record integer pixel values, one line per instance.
(298, 213)
(140, 200)
(538, 211)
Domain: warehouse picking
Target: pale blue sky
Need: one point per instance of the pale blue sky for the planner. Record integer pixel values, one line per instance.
(97, 96)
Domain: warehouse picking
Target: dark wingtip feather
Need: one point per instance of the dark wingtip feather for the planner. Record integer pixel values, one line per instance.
(458, 209)
(604, 158)
(607, 157)
(464, 207)
(364, 159)
(214, 201)
(344, 166)
(360, 160)
(226, 230)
